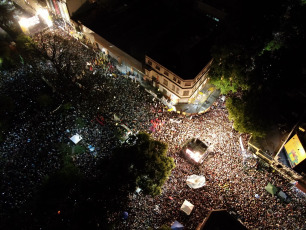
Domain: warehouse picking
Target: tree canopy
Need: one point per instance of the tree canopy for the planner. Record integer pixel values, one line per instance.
(259, 55)
(143, 164)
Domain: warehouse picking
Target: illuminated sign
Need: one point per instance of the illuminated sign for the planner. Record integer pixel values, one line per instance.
(295, 151)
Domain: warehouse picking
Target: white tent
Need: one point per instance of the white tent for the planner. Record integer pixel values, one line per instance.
(177, 226)
(76, 138)
(187, 207)
(195, 181)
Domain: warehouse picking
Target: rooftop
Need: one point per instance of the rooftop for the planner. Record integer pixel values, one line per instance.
(220, 219)
(175, 34)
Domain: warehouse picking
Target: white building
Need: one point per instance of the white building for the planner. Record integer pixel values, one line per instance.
(177, 89)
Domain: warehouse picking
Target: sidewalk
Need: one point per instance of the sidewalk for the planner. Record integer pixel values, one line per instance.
(207, 96)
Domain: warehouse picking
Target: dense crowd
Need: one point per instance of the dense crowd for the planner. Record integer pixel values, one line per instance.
(31, 147)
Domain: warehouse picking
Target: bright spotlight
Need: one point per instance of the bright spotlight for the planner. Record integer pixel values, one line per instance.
(45, 15)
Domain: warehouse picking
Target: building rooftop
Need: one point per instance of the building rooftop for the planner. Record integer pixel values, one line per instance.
(175, 34)
(219, 220)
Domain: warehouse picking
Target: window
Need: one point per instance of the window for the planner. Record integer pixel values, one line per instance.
(157, 67)
(188, 84)
(166, 73)
(178, 81)
(164, 92)
(186, 93)
(174, 78)
(177, 90)
(165, 82)
(149, 62)
(173, 87)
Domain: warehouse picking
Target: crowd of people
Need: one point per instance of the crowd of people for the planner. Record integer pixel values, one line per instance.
(31, 147)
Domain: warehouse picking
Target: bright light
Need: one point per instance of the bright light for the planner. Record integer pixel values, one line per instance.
(45, 15)
(23, 24)
(196, 156)
(26, 23)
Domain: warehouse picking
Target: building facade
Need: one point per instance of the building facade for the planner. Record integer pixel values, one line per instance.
(284, 148)
(59, 8)
(174, 87)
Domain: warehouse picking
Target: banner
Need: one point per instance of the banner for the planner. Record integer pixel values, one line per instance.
(295, 151)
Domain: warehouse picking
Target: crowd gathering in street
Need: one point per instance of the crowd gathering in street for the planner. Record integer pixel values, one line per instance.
(29, 152)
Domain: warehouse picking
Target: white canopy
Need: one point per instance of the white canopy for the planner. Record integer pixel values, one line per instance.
(76, 138)
(187, 207)
(195, 181)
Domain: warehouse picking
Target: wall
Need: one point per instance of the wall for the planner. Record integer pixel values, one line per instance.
(177, 89)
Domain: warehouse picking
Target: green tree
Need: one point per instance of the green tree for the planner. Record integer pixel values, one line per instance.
(241, 39)
(247, 116)
(57, 193)
(143, 164)
(252, 63)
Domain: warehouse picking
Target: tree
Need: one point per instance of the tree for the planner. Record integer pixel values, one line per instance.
(64, 56)
(252, 63)
(246, 116)
(143, 164)
(242, 38)
(57, 195)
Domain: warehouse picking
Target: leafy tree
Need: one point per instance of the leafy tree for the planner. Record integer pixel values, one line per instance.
(242, 37)
(252, 62)
(57, 193)
(21, 51)
(26, 47)
(7, 59)
(246, 116)
(143, 164)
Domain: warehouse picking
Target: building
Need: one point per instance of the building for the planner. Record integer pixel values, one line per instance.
(220, 219)
(172, 41)
(284, 150)
(59, 8)
(173, 55)
(174, 87)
